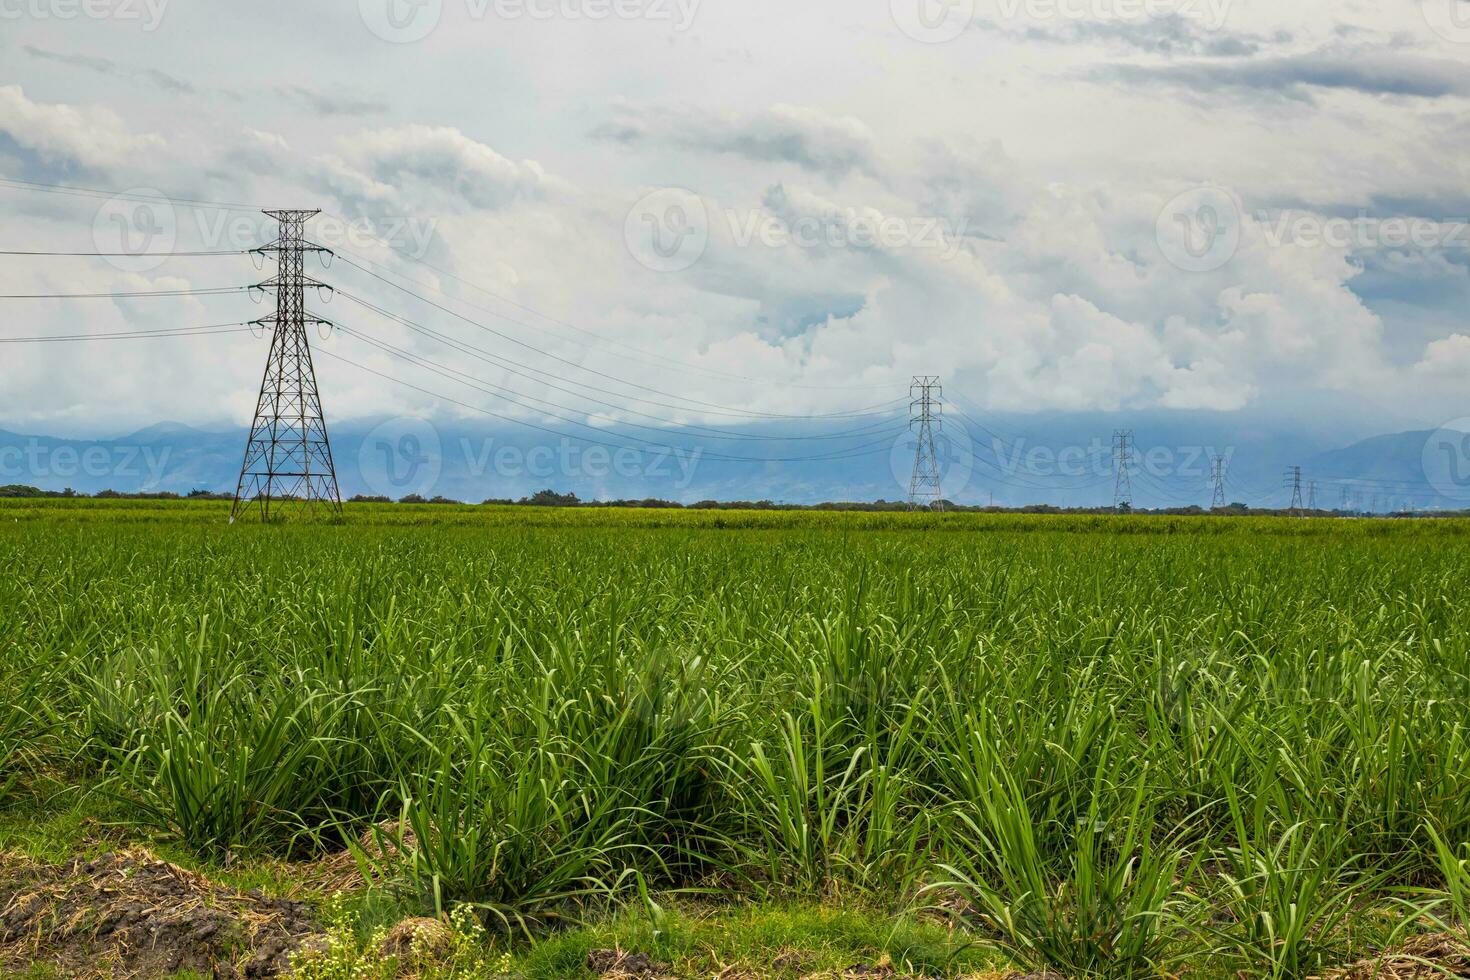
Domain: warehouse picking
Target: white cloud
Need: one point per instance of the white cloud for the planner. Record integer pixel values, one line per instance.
(92, 136)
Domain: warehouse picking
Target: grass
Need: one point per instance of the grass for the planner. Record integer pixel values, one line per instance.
(1108, 746)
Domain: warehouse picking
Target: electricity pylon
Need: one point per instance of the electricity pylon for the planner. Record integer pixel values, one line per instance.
(1312, 495)
(288, 457)
(926, 409)
(1219, 478)
(1294, 475)
(1123, 463)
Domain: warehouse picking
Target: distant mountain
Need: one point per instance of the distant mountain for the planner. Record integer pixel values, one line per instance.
(1061, 459)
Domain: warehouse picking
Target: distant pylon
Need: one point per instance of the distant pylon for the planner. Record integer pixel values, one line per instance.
(1123, 465)
(926, 409)
(1219, 477)
(1294, 476)
(1312, 495)
(288, 457)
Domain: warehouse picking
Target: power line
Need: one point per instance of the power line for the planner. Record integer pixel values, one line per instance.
(131, 255)
(885, 445)
(711, 408)
(348, 258)
(205, 330)
(515, 397)
(203, 291)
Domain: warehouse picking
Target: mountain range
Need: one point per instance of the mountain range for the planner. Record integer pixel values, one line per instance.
(1058, 459)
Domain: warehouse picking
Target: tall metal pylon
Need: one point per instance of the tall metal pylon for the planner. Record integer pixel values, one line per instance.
(1312, 495)
(288, 457)
(926, 410)
(1123, 464)
(1294, 475)
(1218, 475)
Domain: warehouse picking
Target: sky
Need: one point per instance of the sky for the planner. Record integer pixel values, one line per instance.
(706, 212)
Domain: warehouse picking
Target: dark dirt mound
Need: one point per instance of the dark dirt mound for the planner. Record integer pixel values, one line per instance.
(613, 964)
(127, 914)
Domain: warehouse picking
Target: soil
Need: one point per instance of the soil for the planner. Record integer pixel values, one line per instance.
(1432, 957)
(128, 914)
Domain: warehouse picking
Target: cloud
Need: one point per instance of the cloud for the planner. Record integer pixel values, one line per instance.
(105, 66)
(1447, 358)
(1370, 72)
(424, 166)
(815, 141)
(1171, 34)
(333, 105)
(91, 136)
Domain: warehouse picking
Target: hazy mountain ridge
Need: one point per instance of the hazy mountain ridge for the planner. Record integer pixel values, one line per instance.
(1063, 459)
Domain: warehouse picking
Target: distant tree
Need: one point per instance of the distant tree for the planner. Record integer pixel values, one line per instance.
(550, 498)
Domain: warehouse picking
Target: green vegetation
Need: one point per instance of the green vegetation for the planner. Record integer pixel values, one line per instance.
(1109, 746)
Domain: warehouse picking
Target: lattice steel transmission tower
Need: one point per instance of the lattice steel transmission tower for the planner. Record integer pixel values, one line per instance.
(288, 457)
(926, 410)
(1218, 474)
(1294, 476)
(1312, 495)
(1123, 464)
